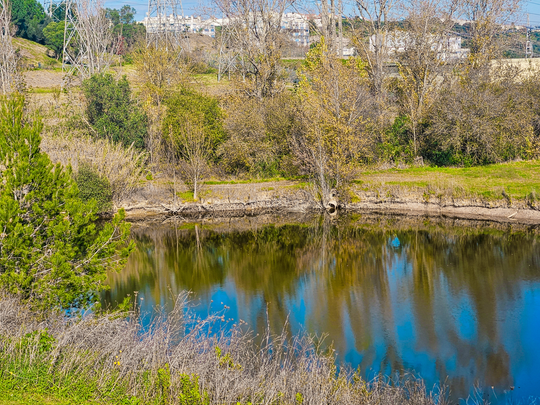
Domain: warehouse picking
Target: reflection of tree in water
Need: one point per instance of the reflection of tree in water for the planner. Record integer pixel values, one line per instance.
(346, 272)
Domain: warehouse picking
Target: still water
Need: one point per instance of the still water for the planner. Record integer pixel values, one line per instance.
(450, 301)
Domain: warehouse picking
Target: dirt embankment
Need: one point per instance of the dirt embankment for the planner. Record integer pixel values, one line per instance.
(238, 200)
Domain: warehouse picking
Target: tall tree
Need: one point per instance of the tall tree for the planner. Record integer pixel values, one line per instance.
(427, 54)
(255, 33)
(52, 252)
(489, 22)
(372, 38)
(54, 37)
(335, 110)
(29, 18)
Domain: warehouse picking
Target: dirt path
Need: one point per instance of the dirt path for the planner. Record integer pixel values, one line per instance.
(43, 78)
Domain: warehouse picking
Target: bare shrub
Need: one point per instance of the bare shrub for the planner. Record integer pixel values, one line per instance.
(482, 117)
(192, 148)
(123, 167)
(258, 133)
(152, 361)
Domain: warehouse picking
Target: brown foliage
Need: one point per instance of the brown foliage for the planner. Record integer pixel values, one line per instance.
(258, 132)
(484, 116)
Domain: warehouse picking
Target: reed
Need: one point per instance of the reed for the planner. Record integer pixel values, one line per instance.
(178, 359)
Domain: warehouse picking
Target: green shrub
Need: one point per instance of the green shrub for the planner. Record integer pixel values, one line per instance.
(397, 145)
(191, 394)
(191, 106)
(111, 111)
(94, 187)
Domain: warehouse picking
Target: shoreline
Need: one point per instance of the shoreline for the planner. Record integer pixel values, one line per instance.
(412, 205)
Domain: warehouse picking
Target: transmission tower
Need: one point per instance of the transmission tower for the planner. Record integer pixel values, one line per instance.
(68, 58)
(53, 8)
(48, 5)
(165, 23)
(528, 43)
(89, 47)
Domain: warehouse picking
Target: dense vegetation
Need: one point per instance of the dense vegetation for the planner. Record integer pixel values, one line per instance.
(112, 112)
(52, 253)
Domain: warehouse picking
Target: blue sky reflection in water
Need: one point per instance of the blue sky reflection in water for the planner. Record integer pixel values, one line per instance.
(446, 302)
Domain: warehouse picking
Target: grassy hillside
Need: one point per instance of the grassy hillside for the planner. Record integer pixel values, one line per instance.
(35, 54)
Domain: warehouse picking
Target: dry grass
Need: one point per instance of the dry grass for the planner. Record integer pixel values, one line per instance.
(34, 53)
(176, 360)
(123, 167)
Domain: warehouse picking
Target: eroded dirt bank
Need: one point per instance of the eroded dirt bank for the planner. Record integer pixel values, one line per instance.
(240, 200)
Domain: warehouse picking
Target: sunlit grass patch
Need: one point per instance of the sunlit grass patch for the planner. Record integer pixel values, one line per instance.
(517, 179)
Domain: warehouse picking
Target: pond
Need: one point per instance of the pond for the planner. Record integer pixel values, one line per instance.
(448, 300)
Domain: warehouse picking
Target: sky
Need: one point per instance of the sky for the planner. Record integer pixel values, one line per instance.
(195, 6)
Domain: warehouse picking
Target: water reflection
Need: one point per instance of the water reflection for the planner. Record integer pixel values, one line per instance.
(451, 303)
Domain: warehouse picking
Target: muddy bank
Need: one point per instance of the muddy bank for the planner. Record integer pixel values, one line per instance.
(256, 199)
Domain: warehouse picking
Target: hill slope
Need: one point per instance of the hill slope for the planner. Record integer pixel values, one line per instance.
(34, 55)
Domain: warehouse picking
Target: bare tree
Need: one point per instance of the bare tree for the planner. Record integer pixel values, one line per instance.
(372, 38)
(191, 147)
(490, 21)
(256, 36)
(428, 47)
(9, 58)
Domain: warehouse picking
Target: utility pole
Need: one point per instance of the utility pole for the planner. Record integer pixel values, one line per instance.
(528, 43)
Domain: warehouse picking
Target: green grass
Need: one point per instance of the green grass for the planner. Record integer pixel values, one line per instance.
(186, 196)
(35, 396)
(21, 383)
(210, 79)
(517, 179)
(34, 53)
(43, 90)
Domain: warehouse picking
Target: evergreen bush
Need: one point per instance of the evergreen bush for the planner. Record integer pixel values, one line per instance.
(93, 186)
(111, 111)
(51, 251)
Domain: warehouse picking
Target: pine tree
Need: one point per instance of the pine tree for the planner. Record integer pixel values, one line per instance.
(52, 252)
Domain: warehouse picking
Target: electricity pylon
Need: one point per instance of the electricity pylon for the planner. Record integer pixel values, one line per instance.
(165, 24)
(528, 43)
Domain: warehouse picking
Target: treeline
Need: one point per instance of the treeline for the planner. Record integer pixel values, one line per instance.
(328, 127)
(30, 21)
(326, 118)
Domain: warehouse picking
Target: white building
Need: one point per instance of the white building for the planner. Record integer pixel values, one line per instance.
(182, 24)
(297, 26)
(399, 41)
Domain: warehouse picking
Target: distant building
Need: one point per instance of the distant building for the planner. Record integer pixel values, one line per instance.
(297, 26)
(398, 41)
(181, 24)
